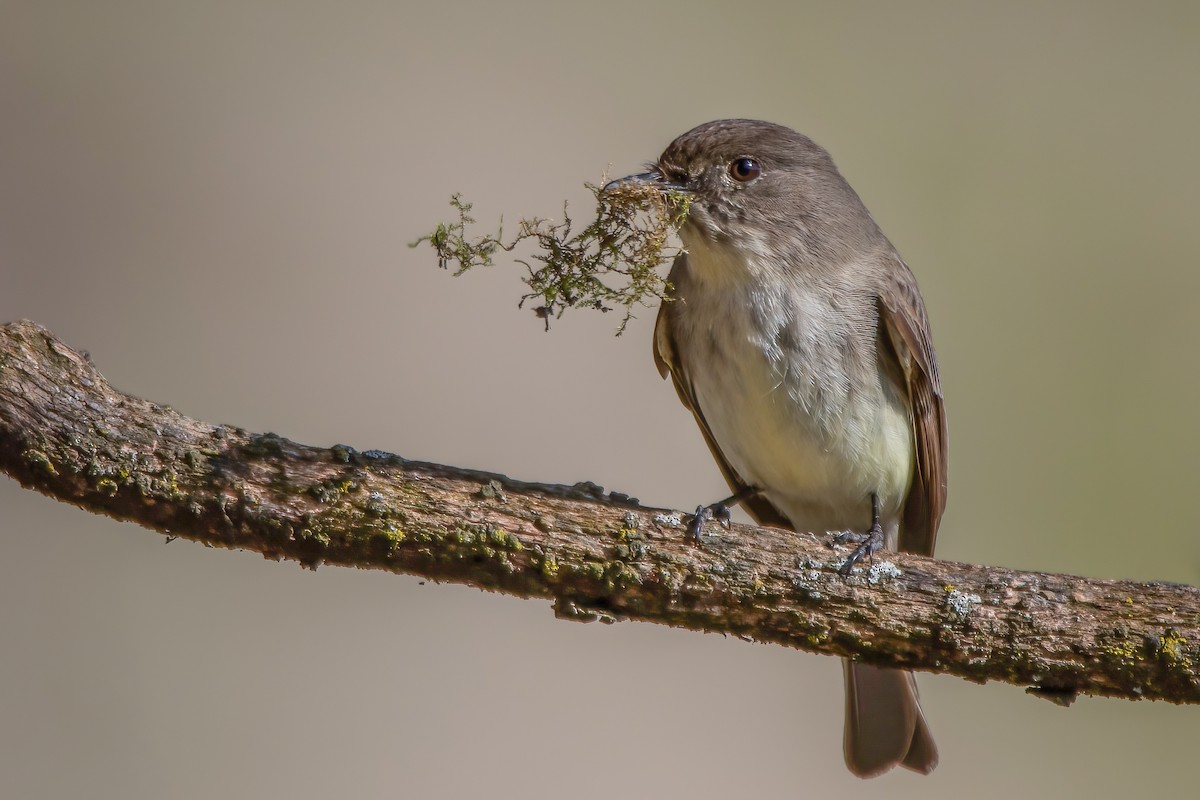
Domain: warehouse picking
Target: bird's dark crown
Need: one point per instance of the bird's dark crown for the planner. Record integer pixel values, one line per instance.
(719, 142)
(792, 196)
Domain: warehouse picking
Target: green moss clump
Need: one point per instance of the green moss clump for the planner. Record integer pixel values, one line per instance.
(318, 537)
(330, 491)
(505, 540)
(40, 460)
(618, 575)
(1173, 649)
(611, 263)
(592, 570)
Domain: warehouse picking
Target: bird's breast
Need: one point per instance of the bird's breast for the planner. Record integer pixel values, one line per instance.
(787, 378)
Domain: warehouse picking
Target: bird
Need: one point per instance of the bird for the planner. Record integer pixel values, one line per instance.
(797, 336)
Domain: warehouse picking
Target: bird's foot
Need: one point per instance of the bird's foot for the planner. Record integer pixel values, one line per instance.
(869, 544)
(718, 511)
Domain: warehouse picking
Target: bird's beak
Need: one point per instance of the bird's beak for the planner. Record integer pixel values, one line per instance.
(653, 178)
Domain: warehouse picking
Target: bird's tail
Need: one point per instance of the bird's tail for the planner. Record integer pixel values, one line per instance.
(884, 723)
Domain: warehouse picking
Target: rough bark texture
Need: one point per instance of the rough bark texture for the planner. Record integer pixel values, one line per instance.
(67, 433)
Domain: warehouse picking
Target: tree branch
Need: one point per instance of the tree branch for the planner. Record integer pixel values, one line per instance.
(67, 433)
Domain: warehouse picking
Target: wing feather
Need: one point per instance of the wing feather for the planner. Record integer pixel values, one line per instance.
(906, 339)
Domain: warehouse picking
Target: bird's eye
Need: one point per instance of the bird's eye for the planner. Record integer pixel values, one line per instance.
(745, 169)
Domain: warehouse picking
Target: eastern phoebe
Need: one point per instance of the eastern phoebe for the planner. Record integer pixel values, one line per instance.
(797, 337)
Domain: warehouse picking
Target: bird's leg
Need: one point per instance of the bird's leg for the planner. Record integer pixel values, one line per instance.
(719, 511)
(868, 543)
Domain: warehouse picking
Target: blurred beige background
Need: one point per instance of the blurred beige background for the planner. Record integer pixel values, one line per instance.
(214, 200)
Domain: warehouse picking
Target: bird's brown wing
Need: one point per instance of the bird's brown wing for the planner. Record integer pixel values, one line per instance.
(905, 341)
(666, 358)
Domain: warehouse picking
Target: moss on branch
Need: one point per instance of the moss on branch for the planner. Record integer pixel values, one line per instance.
(66, 432)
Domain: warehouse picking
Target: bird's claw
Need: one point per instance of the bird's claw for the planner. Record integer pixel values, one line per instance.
(696, 526)
(718, 511)
(869, 544)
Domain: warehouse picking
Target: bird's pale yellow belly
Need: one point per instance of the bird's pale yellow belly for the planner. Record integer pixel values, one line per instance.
(790, 423)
